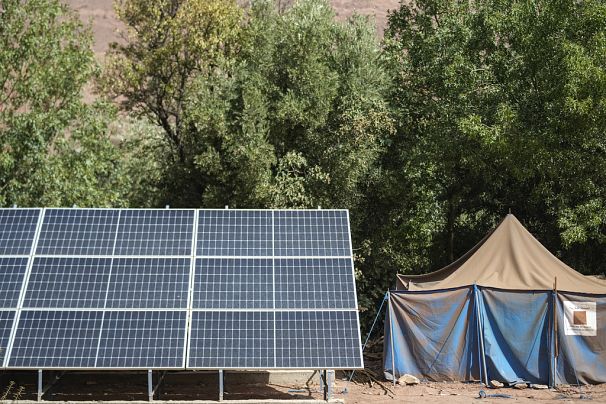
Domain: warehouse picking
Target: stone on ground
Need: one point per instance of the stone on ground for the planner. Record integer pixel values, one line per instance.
(408, 380)
(495, 384)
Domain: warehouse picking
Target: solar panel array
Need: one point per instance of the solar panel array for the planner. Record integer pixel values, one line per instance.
(174, 289)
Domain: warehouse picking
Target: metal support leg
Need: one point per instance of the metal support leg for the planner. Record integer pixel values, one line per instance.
(40, 385)
(321, 373)
(220, 385)
(328, 381)
(150, 385)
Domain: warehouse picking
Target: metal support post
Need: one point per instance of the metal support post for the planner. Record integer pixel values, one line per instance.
(150, 385)
(220, 385)
(320, 372)
(40, 385)
(328, 382)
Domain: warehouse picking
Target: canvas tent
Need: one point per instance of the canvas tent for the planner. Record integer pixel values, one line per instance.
(507, 310)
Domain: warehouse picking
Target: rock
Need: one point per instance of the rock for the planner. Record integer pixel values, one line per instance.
(540, 386)
(408, 380)
(495, 384)
(520, 386)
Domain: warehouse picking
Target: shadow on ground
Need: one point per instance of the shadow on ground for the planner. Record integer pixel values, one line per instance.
(104, 386)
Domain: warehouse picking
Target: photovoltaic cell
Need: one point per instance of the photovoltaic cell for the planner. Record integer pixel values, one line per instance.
(6, 324)
(149, 283)
(233, 283)
(317, 339)
(311, 233)
(56, 339)
(155, 232)
(143, 339)
(234, 233)
(314, 283)
(78, 232)
(17, 230)
(66, 282)
(12, 271)
(231, 339)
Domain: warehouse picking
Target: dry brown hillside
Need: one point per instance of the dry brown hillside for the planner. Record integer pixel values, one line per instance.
(105, 24)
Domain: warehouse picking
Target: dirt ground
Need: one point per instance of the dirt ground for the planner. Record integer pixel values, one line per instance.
(80, 386)
(455, 393)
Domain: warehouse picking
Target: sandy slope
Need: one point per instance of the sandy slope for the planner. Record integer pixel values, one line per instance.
(105, 24)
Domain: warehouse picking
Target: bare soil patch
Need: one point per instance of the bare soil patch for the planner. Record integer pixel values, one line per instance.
(187, 386)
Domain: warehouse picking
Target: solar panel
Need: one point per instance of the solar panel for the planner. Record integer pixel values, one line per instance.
(142, 339)
(78, 232)
(300, 261)
(232, 339)
(314, 283)
(317, 340)
(12, 271)
(66, 282)
(149, 283)
(6, 325)
(312, 233)
(155, 232)
(56, 339)
(17, 230)
(167, 289)
(233, 283)
(234, 233)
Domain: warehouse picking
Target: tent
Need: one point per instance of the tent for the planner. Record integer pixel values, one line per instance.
(507, 310)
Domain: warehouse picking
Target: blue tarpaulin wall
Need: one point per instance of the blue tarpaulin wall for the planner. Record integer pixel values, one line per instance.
(581, 357)
(476, 333)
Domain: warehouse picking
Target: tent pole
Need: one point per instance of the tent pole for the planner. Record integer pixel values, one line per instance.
(481, 334)
(393, 360)
(475, 303)
(555, 330)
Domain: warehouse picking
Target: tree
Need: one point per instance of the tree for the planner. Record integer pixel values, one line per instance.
(282, 109)
(499, 105)
(55, 149)
(169, 45)
(315, 88)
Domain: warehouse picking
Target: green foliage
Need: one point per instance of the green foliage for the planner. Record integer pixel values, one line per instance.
(286, 110)
(499, 104)
(172, 50)
(54, 149)
(311, 90)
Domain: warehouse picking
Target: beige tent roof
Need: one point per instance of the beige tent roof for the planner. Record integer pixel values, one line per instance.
(509, 257)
